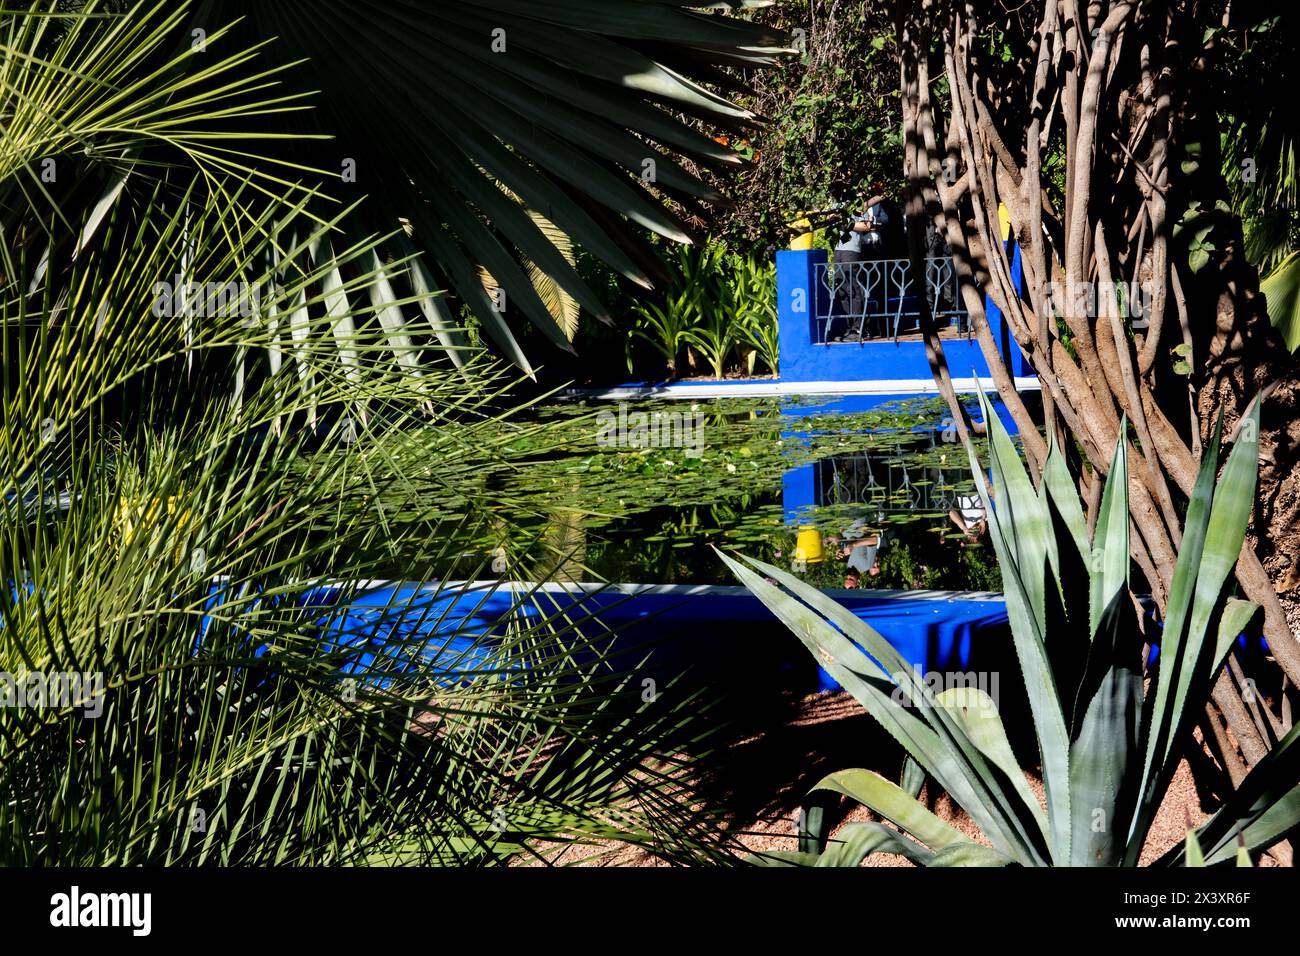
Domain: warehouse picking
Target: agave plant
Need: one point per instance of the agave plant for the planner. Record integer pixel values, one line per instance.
(1107, 746)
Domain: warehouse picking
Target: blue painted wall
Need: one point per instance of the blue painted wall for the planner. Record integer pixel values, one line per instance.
(800, 297)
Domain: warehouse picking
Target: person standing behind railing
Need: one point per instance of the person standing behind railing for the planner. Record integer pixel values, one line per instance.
(864, 242)
(937, 251)
(848, 290)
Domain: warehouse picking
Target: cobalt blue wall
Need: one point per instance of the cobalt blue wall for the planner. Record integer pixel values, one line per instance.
(800, 297)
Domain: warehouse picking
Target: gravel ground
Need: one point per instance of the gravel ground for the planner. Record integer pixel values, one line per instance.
(814, 741)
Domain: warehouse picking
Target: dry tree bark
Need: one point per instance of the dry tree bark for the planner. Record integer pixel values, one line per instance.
(1117, 98)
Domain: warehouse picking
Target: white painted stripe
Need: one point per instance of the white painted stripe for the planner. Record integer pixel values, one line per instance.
(681, 590)
(764, 389)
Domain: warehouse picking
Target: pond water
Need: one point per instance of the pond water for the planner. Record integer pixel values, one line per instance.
(644, 491)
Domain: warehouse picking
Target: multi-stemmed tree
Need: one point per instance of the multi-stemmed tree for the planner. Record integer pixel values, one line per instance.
(1093, 129)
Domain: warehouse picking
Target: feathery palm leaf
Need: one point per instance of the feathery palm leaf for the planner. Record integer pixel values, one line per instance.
(206, 444)
(581, 109)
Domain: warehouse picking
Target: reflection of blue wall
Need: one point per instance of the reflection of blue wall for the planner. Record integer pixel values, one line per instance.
(799, 485)
(800, 298)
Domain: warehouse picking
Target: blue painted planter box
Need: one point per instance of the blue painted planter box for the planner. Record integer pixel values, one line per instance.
(724, 631)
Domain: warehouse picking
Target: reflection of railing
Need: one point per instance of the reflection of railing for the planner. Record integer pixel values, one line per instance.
(886, 484)
(862, 300)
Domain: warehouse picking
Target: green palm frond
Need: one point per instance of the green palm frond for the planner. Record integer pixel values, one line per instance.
(1282, 289)
(462, 117)
(210, 438)
(560, 304)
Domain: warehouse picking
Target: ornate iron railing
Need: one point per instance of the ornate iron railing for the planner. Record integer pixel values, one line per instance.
(877, 299)
(888, 485)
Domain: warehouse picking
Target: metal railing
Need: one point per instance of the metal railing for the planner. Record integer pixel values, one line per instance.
(859, 301)
(889, 484)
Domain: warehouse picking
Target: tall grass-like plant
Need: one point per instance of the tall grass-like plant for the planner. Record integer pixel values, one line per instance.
(718, 302)
(666, 328)
(1107, 747)
(752, 300)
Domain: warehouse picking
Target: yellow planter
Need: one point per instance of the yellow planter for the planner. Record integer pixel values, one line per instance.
(805, 234)
(804, 240)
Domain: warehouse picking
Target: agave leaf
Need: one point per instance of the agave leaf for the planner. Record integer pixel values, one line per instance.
(971, 854)
(913, 778)
(855, 842)
(1014, 526)
(894, 804)
(1236, 617)
(1265, 830)
(783, 858)
(1212, 537)
(1061, 492)
(1161, 716)
(1066, 603)
(942, 749)
(1110, 548)
(1021, 509)
(1268, 796)
(857, 673)
(1234, 499)
(977, 714)
(1104, 752)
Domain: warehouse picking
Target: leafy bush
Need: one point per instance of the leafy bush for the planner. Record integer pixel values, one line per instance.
(717, 304)
(833, 118)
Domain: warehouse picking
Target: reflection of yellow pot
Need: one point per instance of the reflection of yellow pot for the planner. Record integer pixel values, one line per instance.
(808, 545)
(135, 513)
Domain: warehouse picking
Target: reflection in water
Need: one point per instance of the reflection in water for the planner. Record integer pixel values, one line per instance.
(864, 501)
(890, 483)
(864, 497)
